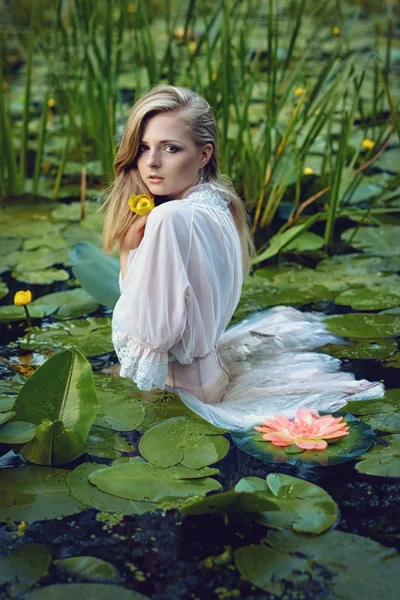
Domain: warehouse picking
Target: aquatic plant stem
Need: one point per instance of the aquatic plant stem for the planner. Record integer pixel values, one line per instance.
(28, 317)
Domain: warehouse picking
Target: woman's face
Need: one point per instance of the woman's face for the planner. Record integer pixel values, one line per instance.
(167, 151)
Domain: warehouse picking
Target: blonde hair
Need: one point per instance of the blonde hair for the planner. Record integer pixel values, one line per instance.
(198, 115)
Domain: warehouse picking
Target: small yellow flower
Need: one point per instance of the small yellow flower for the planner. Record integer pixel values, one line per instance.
(299, 91)
(21, 298)
(141, 204)
(21, 528)
(179, 32)
(214, 75)
(192, 46)
(131, 8)
(336, 30)
(308, 171)
(51, 102)
(368, 144)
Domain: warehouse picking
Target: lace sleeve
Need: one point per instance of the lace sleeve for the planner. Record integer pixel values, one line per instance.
(150, 317)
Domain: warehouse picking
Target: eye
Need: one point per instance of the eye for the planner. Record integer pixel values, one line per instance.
(174, 149)
(142, 147)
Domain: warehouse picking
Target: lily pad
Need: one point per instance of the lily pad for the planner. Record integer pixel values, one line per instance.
(365, 349)
(374, 298)
(393, 362)
(304, 506)
(62, 407)
(379, 241)
(17, 432)
(44, 277)
(24, 567)
(232, 502)
(143, 481)
(120, 407)
(88, 591)
(390, 403)
(91, 336)
(357, 442)
(10, 313)
(269, 569)
(90, 495)
(88, 568)
(364, 325)
(183, 440)
(36, 494)
(106, 443)
(356, 264)
(3, 289)
(382, 461)
(37, 260)
(160, 406)
(360, 568)
(383, 422)
(69, 304)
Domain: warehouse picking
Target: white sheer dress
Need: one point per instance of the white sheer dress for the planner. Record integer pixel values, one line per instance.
(170, 332)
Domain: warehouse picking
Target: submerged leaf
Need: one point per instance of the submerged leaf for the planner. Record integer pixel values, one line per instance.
(24, 567)
(87, 568)
(383, 461)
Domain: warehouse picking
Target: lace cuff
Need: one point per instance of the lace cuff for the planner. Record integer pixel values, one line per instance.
(147, 367)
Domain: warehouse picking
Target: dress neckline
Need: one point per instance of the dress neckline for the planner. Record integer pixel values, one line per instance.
(207, 194)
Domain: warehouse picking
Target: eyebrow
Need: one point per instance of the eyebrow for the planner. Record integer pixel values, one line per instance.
(162, 141)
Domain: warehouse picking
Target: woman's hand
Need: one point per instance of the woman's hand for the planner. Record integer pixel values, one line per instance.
(134, 234)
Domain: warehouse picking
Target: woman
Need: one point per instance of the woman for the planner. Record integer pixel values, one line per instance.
(182, 269)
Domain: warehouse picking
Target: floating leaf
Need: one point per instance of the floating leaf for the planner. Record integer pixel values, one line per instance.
(160, 406)
(44, 277)
(364, 325)
(307, 241)
(92, 496)
(143, 481)
(37, 260)
(304, 506)
(237, 502)
(97, 273)
(90, 336)
(3, 289)
(106, 444)
(390, 403)
(24, 567)
(344, 265)
(360, 568)
(374, 349)
(88, 591)
(17, 432)
(68, 304)
(35, 494)
(383, 461)
(63, 408)
(183, 440)
(373, 298)
(87, 568)
(383, 422)
(379, 241)
(120, 407)
(357, 442)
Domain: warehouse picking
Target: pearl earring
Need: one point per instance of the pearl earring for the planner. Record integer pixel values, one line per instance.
(201, 177)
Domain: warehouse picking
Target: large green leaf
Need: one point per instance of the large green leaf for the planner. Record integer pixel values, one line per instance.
(92, 496)
(374, 349)
(35, 493)
(304, 506)
(160, 406)
(359, 567)
(379, 241)
(17, 432)
(345, 265)
(43, 277)
(106, 443)
(143, 481)
(232, 502)
(373, 298)
(68, 304)
(183, 440)
(23, 568)
(60, 399)
(97, 273)
(357, 442)
(383, 461)
(364, 325)
(91, 336)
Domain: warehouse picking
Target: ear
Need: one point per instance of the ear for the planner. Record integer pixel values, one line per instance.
(206, 154)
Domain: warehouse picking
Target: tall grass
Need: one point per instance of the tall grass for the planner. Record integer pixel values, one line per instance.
(269, 128)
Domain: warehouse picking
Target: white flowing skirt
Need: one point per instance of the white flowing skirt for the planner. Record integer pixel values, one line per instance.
(272, 369)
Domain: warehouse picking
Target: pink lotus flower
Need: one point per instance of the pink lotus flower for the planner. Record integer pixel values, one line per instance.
(308, 430)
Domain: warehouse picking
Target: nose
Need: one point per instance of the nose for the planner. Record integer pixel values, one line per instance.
(153, 158)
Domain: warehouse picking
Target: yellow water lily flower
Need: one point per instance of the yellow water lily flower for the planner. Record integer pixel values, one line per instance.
(141, 204)
(299, 91)
(21, 298)
(336, 30)
(51, 102)
(21, 528)
(368, 144)
(308, 171)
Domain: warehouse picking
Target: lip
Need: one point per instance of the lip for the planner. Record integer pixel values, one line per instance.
(155, 178)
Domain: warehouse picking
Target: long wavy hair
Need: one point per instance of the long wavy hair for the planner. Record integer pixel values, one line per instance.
(199, 116)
